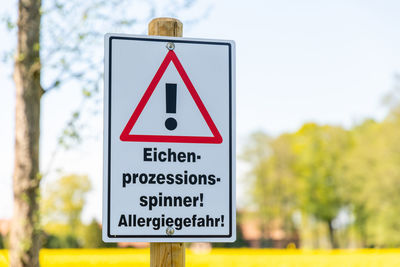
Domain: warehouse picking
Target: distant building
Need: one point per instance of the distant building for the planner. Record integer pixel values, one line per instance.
(5, 226)
(133, 244)
(273, 237)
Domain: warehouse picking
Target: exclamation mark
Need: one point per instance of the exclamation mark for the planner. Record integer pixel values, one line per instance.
(201, 199)
(170, 98)
(222, 220)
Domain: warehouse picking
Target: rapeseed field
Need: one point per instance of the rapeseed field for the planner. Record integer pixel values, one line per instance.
(221, 257)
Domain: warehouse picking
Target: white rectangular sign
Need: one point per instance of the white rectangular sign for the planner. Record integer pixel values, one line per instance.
(169, 139)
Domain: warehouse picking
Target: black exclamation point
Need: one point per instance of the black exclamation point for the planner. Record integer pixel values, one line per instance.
(170, 98)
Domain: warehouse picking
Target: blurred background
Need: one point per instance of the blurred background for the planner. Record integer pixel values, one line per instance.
(318, 117)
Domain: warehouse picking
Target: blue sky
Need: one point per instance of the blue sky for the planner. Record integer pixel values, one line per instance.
(297, 61)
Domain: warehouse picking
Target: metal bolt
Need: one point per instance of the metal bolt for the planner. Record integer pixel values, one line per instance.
(170, 46)
(170, 231)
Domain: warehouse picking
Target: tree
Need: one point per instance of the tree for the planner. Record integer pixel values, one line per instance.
(256, 153)
(64, 200)
(71, 31)
(361, 163)
(273, 185)
(24, 239)
(373, 175)
(319, 152)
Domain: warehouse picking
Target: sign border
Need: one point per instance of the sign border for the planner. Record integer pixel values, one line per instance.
(109, 38)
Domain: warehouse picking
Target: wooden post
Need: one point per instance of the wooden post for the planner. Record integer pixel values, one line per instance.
(166, 27)
(166, 254)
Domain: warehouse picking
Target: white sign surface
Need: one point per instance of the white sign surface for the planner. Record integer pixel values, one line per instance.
(169, 139)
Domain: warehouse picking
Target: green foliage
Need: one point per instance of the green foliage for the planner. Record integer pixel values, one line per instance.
(92, 237)
(61, 241)
(58, 235)
(1, 241)
(323, 171)
(319, 153)
(71, 241)
(61, 206)
(64, 199)
(274, 186)
(52, 241)
(373, 175)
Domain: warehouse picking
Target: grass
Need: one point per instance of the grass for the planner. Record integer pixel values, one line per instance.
(221, 257)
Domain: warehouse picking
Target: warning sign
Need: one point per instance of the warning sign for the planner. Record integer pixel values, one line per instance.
(170, 103)
(169, 140)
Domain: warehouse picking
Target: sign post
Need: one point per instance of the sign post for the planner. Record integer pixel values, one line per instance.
(169, 140)
(166, 254)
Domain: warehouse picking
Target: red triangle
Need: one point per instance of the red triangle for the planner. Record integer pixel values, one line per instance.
(127, 137)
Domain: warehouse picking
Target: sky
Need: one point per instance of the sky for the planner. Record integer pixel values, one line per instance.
(330, 62)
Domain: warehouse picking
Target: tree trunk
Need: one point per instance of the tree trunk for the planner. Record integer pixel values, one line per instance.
(332, 235)
(24, 239)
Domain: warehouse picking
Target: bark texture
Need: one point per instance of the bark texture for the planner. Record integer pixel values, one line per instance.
(24, 239)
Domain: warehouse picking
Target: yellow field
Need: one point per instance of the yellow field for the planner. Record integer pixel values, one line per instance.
(220, 257)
